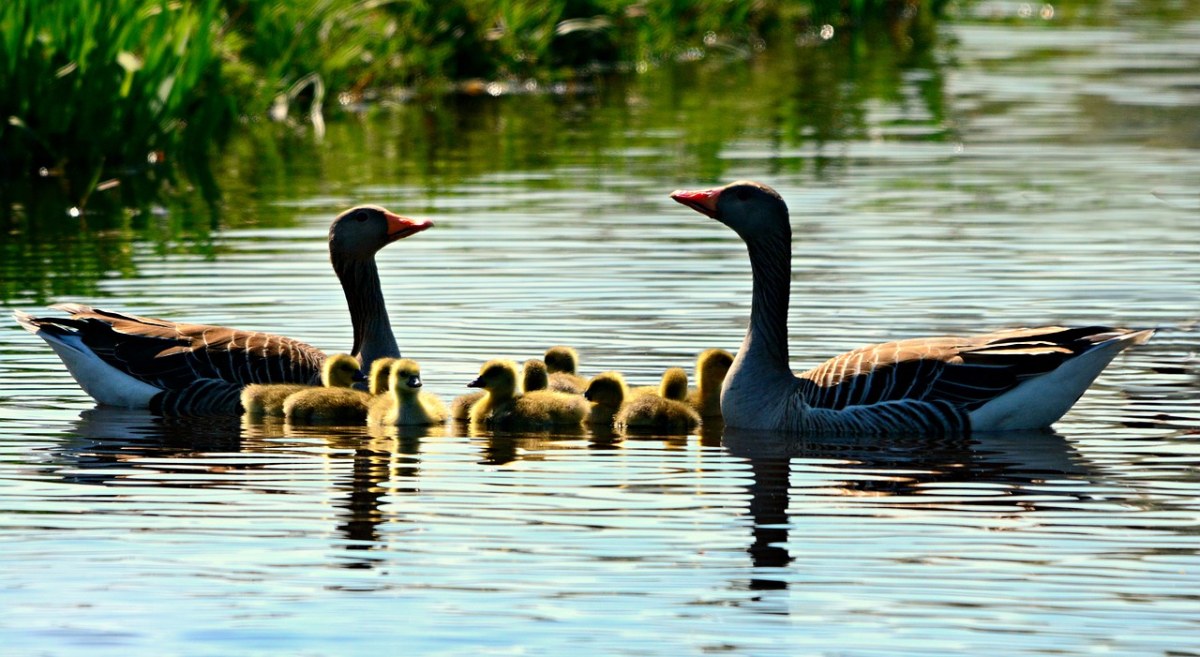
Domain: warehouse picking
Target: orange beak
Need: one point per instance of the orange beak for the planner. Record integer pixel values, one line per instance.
(402, 227)
(704, 201)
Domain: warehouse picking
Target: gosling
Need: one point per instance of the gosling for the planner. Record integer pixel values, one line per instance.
(606, 392)
(665, 413)
(377, 379)
(503, 408)
(711, 367)
(563, 365)
(674, 386)
(334, 403)
(405, 404)
(266, 399)
(535, 377)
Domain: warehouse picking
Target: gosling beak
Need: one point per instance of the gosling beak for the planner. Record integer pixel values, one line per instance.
(477, 383)
(587, 394)
(399, 227)
(414, 382)
(703, 201)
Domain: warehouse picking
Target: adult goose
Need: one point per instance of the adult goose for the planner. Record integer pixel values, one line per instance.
(141, 362)
(1006, 380)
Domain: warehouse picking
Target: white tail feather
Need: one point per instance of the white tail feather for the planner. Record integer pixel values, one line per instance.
(105, 383)
(1042, 400)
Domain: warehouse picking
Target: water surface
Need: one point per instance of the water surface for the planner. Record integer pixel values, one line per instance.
(1015, 171)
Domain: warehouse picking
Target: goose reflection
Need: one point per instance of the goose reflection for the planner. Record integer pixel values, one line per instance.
(385, 463)
(869, 467)
(107, 442)
(112, 446)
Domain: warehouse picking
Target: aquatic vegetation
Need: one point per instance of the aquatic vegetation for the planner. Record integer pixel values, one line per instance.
(118, 96)
(91, 88)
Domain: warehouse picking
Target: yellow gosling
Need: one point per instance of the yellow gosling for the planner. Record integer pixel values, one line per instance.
(711, 367)
(405, 404)
(460, 408)
(267, 399)
(502, 407)
(536, 376)
(336, 402)
(377, 379)
(674, 385)
(563, 365)
(653, 414)
(606, 392)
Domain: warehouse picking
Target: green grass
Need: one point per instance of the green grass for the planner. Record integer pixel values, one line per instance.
(92, 90)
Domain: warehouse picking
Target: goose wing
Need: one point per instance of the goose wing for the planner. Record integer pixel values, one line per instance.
(175, 356)
(964, 371)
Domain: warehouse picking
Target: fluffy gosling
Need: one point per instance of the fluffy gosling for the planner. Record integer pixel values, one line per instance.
(666, 412)
(535, 377)
(711, 367)
(563, 365)
(606, 392)
(503, 407)
(336, 403)
(405, 404)
(267, 399)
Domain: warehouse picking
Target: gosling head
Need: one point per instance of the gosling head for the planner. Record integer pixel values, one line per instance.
(498, 377)
(674, 384)
(341, 371)
(711, 367)
(358, 233)
(607, 390)
(562, 359)
(377, 380)
(749, 208)
(404, 377)
(535, 375)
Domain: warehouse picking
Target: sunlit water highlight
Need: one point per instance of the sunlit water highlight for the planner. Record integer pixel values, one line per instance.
(999, 187)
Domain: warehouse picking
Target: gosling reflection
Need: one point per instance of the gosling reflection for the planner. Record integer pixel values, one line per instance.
(872, 468)
(384, 463)
(109, 444)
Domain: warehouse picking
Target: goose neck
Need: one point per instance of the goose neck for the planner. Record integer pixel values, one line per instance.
(373, 336)
(766, 341)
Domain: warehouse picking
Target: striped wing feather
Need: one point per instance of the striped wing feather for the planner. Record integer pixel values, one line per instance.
(175, 356)
(965, 371)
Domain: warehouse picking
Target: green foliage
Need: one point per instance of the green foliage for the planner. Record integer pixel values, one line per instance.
(86, 86)
(90, 89)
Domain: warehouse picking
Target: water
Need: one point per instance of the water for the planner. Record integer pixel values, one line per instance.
(1016, 171)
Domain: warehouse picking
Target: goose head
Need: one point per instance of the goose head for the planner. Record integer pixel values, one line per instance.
(404, 377)
(711, 367)
(498, 377)
(341, 371)
(377, 379)
(360, 232)
(607, 390)
(562, 359)
(535, 375)
(674, 384)
(749, 208)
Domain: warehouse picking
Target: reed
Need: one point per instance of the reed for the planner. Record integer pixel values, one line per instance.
(94, 86)
(91, 90)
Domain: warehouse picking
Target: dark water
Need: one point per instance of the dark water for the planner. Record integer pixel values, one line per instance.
(1015, 170)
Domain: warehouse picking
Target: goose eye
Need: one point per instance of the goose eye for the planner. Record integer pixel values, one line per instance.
(360, 216)
(743, 194)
